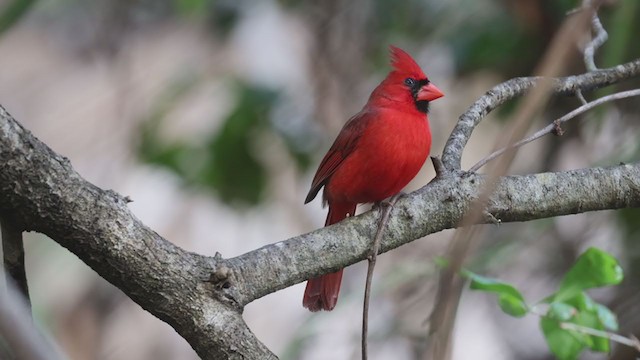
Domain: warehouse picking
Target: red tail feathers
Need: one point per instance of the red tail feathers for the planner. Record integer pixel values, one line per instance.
(322, 292)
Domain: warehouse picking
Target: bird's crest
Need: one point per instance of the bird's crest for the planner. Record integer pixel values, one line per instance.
(403, 62)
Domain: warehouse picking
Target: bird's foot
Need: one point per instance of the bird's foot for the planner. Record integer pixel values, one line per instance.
(385, 206)
(489, 218)
(390, 201)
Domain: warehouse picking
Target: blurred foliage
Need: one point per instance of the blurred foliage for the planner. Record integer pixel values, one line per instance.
(234, 170)
(621, 24)
(569, 309)
(187, 7)
(222, 15)
(505, 37)
(12, 12)
(228, 160)
(629, 223)
(510, 299)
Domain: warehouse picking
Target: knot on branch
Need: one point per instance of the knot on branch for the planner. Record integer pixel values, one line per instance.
(222, 282)
(117, 197)
(490, 218)
(220, 277)
(557, 129)
(223, 291)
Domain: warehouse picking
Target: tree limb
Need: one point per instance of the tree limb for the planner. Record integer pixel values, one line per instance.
(437, 206)
(43, 192)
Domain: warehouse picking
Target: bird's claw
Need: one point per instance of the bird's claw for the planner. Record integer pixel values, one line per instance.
(488, 217)
(391, 201)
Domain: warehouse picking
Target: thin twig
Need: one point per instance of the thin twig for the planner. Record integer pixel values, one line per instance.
(581, 97)
(541, 310)
(600, 37)
(631, 342)
(551, 127)
(13, 253)
(516, 88)
(375, 248)
(18, 331)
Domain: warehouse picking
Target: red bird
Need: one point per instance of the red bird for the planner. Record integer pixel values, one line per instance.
(376, 154)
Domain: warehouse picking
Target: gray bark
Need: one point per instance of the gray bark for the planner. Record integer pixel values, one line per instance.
(13, 254)
(203, 297)
(40, 191)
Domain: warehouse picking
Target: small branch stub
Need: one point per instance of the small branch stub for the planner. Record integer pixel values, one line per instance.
(220, 277)
(490, 218)
(557, 129)
(438, 166)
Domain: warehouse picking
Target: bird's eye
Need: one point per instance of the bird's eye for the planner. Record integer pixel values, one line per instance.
(410, 82)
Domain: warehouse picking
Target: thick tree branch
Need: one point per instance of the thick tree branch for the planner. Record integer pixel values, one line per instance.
(514, 88)
(437, 206)
(42, 192)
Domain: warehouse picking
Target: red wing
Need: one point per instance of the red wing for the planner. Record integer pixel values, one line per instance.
(340, 150)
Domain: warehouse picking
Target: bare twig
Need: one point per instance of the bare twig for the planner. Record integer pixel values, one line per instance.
(514, 88)
(375, 248)
(629, 341)
(600, 37)
(16, 328)
(13, 253)
(581, 97)
(552, 127)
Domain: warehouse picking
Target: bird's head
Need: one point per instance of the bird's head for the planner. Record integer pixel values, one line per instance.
(407, 83)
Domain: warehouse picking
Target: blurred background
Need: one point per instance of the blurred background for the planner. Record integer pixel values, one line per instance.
(212, 115)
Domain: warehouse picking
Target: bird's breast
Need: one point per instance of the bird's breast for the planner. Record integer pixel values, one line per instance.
(387, 157)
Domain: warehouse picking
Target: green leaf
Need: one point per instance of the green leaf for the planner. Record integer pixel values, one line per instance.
(582, 302)
(228, 161)
(512, 305)
(594, 268)
(235, 170)
(564, 344)
(510, 299)
(607, 318)
(583, 311)
(590, 320)
(561, 311)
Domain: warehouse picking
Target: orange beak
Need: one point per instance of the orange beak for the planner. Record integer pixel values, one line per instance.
(429, 92)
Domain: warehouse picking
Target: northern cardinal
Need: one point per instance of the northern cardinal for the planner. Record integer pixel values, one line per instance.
(376, 154)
